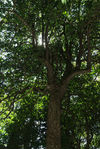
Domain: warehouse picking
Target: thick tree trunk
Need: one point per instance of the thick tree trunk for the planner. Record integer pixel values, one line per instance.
(53, 123)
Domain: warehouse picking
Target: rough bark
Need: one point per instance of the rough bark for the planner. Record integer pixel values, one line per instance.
(53, 123)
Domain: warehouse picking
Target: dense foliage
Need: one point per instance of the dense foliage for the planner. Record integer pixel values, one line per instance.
(80, 118)
(46, 47)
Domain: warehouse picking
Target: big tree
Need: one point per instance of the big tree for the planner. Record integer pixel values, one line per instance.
(44, 44)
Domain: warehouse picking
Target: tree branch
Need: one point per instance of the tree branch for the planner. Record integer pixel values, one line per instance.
(50, 72)
(89, 49)
(78, 61)
(67, 79)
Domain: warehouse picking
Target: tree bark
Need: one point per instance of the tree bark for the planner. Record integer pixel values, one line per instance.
(53, 123)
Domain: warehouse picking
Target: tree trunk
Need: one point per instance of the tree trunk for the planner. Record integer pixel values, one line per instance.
(53, 123)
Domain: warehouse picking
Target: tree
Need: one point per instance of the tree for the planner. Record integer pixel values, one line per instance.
(79, 118)
(68, 47)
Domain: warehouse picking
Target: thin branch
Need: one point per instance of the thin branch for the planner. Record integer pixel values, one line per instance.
(50, 72)
(67, 46)
(15, 94)
(42, 30)
(10, 107)
(22, 20)
(89, 49)
(78, 61)
(33, 34)
(39, 89)
(46, 36)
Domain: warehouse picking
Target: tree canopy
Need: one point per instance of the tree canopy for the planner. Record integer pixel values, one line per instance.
(49, 73)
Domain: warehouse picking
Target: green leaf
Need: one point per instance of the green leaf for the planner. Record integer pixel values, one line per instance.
(64, 1)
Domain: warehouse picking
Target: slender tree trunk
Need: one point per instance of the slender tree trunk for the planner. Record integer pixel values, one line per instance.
(53, 123)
